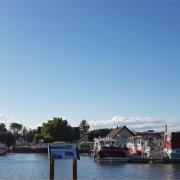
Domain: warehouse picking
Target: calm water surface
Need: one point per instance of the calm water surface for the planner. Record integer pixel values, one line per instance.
(36, 167)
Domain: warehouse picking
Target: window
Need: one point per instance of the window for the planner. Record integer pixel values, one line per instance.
(124, 137)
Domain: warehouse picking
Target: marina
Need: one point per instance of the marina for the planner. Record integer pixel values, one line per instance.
(149, 147)
(89, 90)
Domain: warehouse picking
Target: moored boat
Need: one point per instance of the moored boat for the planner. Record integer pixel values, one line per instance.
(149, 145)
(109, 149)
(85, 147)
(135, 146)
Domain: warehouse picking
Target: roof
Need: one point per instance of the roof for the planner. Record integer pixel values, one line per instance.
(117, 130)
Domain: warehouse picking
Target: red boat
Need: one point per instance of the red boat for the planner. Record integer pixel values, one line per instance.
(105, 149)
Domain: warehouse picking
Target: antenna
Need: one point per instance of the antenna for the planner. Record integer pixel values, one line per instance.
(166, 128)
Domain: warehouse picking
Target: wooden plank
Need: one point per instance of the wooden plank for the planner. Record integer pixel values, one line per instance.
(51, 176)
(74, 168)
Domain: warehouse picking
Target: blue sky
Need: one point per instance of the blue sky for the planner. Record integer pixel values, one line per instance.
(87, 60)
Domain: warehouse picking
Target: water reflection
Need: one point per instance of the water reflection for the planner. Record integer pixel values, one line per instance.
(36, 167)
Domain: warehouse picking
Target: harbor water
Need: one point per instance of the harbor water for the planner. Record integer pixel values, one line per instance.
(36, 167)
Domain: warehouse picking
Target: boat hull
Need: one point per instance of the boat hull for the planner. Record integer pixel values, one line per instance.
(111, 153)
(173, 153)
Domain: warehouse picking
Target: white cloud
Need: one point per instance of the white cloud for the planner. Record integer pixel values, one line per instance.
(8, 120)
(4, 119)
(137, 123)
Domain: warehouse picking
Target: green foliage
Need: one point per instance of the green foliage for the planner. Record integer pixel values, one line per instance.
(16, 127)
(84, 127)
(48, 139)
(98, 133)
(2, 128)
(76, 133)
(57, 130)
(30, 135)
(7, 138)
(38, 130)
(24, 131)
(37, 138)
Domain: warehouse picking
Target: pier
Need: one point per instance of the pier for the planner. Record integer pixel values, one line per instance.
(137, 160)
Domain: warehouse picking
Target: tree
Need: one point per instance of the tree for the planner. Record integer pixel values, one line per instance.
(39, 130)
(84, 127)
(16, 127)
(31, 134)
(38, 138)
(76, 133)
(24, 131)
(98, 133)
(2, 128)
(57, 129)
(7, 138)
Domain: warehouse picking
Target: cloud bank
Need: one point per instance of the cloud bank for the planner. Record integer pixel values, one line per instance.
(4, 119)
(8, 120)
(133, 123)
(137, 123)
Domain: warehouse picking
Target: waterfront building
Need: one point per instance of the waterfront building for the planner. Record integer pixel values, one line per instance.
(121, 135)
(21, 142)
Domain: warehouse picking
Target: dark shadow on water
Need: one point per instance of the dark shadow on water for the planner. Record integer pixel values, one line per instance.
(110, 163)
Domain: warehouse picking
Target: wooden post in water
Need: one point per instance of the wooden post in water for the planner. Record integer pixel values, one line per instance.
(74, 167)
(51, 175)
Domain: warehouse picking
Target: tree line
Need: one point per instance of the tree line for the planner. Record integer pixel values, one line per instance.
(15, 130)
(56, 129)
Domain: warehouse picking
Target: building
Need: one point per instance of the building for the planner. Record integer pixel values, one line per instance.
(121, 134)
(21, 142)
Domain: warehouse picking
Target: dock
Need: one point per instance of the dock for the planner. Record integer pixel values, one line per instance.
(137, 160)
(29, 149)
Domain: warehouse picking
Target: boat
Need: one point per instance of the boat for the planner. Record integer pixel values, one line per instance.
(2, 149)
(135, 146)
(106, 149)
(85, 147)
(172, 145)
(149, 145)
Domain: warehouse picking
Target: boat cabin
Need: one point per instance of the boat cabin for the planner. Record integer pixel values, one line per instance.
(135, 145)
(85, 147)
(147, 145)
(104, 142)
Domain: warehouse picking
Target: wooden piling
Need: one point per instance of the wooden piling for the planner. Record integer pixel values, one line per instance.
(74, 167)
(51, 174)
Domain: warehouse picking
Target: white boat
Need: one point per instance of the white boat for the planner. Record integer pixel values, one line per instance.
(2, 149)
(149, 145)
